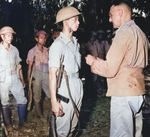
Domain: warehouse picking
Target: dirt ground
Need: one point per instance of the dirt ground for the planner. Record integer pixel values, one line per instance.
(94, 117)
(94, 120)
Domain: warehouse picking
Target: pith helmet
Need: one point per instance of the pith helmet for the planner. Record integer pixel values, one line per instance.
(66, 13)
(6, 29)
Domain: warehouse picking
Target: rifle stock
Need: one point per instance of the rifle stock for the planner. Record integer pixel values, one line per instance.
(30, 88)
(3, 130)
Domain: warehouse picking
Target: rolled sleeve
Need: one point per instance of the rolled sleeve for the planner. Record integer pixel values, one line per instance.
(30, 55)
(55, 53)
(18, 59)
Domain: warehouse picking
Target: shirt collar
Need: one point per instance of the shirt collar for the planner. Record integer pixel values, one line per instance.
(1, 46)
(66, 39)
(37, 49)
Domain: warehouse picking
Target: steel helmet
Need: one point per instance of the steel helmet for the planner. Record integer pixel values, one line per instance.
(66, 13)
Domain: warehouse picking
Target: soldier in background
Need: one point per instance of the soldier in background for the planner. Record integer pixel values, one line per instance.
(91, 80)
(102, 51)
(39, 54)
(108, 36)
(103, 44)
(11, 78)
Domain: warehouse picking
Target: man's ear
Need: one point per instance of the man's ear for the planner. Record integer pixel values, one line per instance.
(120, 12)
(36, 39)
(65, 22)
(2, 37)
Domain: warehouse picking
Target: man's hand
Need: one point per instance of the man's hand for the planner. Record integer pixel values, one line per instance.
(57, 108)
(23, 83)
(89, 59)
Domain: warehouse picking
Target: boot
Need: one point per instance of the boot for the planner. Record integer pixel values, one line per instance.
(22, 113)
(7, 119)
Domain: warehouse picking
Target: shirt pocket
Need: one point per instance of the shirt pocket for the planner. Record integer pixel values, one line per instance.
(70, 62)
(13, 59)
(4, 60)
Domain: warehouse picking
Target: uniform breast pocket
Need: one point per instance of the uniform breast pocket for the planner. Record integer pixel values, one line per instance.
(13, 59)
(4, 60)
(70, 56)
(70, 62)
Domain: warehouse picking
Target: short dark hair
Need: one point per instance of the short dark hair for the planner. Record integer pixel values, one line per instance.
(129, 3)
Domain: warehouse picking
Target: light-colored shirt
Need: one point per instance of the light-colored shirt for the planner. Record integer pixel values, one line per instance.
(63, 45)
(41, 58)
(9, 59)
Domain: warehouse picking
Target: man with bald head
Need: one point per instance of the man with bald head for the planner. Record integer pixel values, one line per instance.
(123, 67)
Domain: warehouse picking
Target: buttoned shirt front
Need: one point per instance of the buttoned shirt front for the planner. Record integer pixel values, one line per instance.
(125, 60)
(41, 58)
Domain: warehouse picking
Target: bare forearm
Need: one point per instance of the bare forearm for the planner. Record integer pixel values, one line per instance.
(52, 84)
(56, 106)
(29, 70)
(29, 73)
(21, 75)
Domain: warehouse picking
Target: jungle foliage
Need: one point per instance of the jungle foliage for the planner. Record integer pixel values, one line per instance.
(28, 16)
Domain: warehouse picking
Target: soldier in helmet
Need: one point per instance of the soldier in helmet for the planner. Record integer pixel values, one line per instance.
(66, 44)
(11, 78)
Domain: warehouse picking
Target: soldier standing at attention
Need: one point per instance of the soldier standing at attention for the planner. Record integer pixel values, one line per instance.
(66, 44)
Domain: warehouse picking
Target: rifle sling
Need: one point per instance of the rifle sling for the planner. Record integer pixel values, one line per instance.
(74, 105)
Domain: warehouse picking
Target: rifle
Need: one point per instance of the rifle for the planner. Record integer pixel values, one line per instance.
(30, 88)
(52, 122)
(3, 130)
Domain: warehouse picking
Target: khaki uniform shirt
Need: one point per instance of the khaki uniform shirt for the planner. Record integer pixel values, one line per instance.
(125, 60)
(41, 58)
